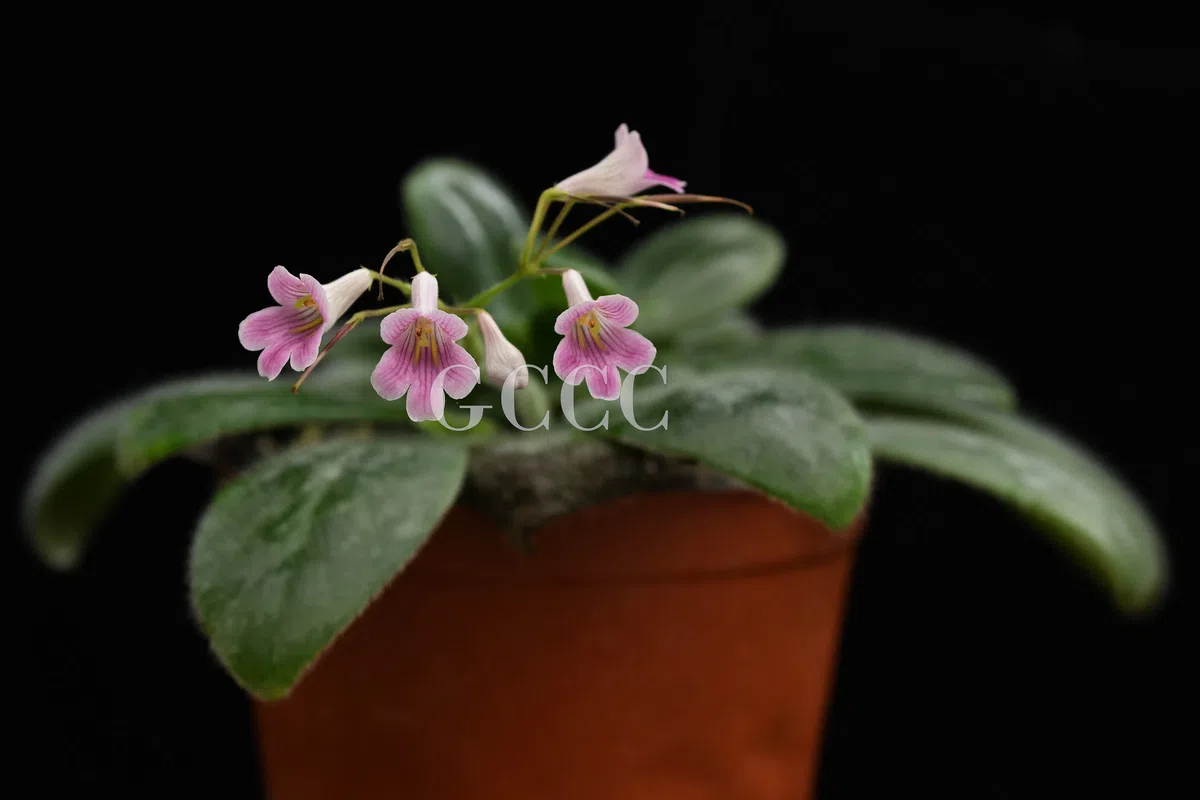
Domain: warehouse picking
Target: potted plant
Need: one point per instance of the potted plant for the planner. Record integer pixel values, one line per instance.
(548, 590)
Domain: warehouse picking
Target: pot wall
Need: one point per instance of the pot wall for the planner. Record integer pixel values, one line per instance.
(665, 646)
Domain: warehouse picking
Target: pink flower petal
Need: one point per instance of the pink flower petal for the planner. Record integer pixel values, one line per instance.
(617, 174)
(627, 349)
(285, 288)
(617, 309)
(594, 353)
(264, 327)
(394, 373)
(568, 357)
(396, 327)
(314, 289)
(460, 370)
(305, 349)
(292, 329)
(272, 360)
(603, 383)
(450, 325)
(652, 178)
(621, 135)
(407, 369)
(423, 403)
(565, 323)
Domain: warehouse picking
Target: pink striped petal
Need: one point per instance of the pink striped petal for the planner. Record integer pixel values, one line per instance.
(617, 309)
(272, 360)
(460, 370)
(568, 360)
(291, 330)
(450, 325)
(574, 365)
(396, 326)
(652, 178)
(316, 291)
(603, 383)
(285, 288)
(627, 349)
(393, 374)
(408, 369)
(426, 401)
(565, 323)
(422, 405)
(305, 349)
(594, 352)
(263, 327)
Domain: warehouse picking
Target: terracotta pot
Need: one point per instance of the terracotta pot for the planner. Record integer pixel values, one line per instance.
(665, 646)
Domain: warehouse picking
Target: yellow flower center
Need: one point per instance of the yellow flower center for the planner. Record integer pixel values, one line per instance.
(315, 322)
(423, 330)
(589, 325)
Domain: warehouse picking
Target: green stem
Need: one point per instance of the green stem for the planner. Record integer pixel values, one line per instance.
(483, 298)
(403, 286)
(416, 256)
(402, 246)
(582, 229)
(554, 226)
(374, 312)
(539, 216)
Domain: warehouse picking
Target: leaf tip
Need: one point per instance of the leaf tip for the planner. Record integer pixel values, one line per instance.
(58, 552)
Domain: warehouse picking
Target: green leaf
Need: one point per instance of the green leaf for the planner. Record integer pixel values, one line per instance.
(727, 337)
(291, 553)
(781, 431)
(1062, 488)
(74, 485)
(691, 272)
(464, 222)
(82, 474)
(873, 366)
(205, 409)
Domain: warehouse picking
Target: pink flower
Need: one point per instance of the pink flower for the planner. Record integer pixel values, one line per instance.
(422, 351)
(622, 173)
(596, 340)
(294, 328)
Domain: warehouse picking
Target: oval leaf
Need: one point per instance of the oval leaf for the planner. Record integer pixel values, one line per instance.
(783, 432)
(723, 340)
(464, 221)
(82, 474)
(74, 484)
(1070, 494)
(291, 552)
(205, 409)
(690, 272)
(873, 366)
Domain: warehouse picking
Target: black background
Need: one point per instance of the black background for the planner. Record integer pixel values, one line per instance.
(1017, 180)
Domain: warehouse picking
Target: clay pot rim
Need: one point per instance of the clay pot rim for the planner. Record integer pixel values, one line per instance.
(481, 574)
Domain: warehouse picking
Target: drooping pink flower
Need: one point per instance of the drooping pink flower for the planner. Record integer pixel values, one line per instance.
(596, 339)
(501, 357)
(622, 173)
(306, 309)
(423, 347)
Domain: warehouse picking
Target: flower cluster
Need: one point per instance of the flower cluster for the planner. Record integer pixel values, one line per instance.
(425, 360)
